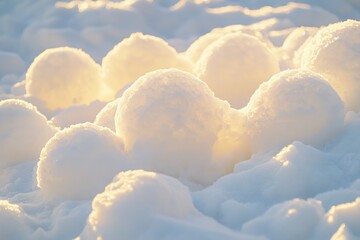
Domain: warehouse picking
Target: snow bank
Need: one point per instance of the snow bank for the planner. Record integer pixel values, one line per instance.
(79, 161)
(148, 52)
(293, 105)
(63, 77)
(230, 66)
(24, 131)
(334, 53)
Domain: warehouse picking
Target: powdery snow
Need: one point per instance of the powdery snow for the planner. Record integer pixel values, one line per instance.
(179, 119)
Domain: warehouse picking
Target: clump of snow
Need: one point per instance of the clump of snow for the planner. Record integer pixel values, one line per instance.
(63, 77)
(334, 52)
(133, 199)
(169, 121)
(79, 161)
(12, 221)
(24, 131)
(147, 205)
(230, 66)
(137, 55)
(294, 105)
(106, 116)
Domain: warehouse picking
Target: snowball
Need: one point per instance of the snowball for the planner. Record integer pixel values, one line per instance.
(230, 66)
(293, 105)
(160, 206)
(63, 77)
(132, 201)
(24, 131)
(79, 161)
(135, 56)
(334, 52)
(169, 121)
(106, 116)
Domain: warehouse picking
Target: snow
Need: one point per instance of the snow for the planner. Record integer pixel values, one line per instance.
(63, 77)
(23, 127)
(230, 67)
(179, 119)
(78, 162)
(333, 52)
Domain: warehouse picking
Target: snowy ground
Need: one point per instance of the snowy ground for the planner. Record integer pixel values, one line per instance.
(179, 119)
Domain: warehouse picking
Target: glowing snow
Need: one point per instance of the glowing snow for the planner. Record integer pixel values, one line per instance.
(334, 52)
(63, 77)
(230, 66)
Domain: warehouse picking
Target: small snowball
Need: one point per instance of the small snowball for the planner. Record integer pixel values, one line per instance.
(106, 116)
(23, 132)
(169, 121)
(334, 53)
(63, 77)
(137, 55)
(79, 161)
(131, 204)
(235, 65)
(293, 105)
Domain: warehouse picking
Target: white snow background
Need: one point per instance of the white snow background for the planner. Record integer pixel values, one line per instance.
(179, 119)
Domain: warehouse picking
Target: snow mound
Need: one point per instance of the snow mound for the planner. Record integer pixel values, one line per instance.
(24, 131)
(230, 66)
(148, 52)
(78, 162)
(169, 121)
(157, 204)
(294, 105)
(63, 77)
(334, 52)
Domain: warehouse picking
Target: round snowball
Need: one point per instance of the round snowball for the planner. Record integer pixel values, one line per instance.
(334, 52)
(294, 105)
(78, 162)
(63, 77)
(135, 56)
(23, 132)
(235, 65)
(106, 117)
(169, 121)
(133, 201)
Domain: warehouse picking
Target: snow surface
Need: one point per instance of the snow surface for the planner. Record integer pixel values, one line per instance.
(179, 119)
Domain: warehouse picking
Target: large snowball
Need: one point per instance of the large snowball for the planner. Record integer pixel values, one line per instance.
(234, 66)
(294, 105)
(169, 121)
(78, 162)
(63, 77)
(334, 52)
(135, 56)
(130, 205)
(23, 132)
